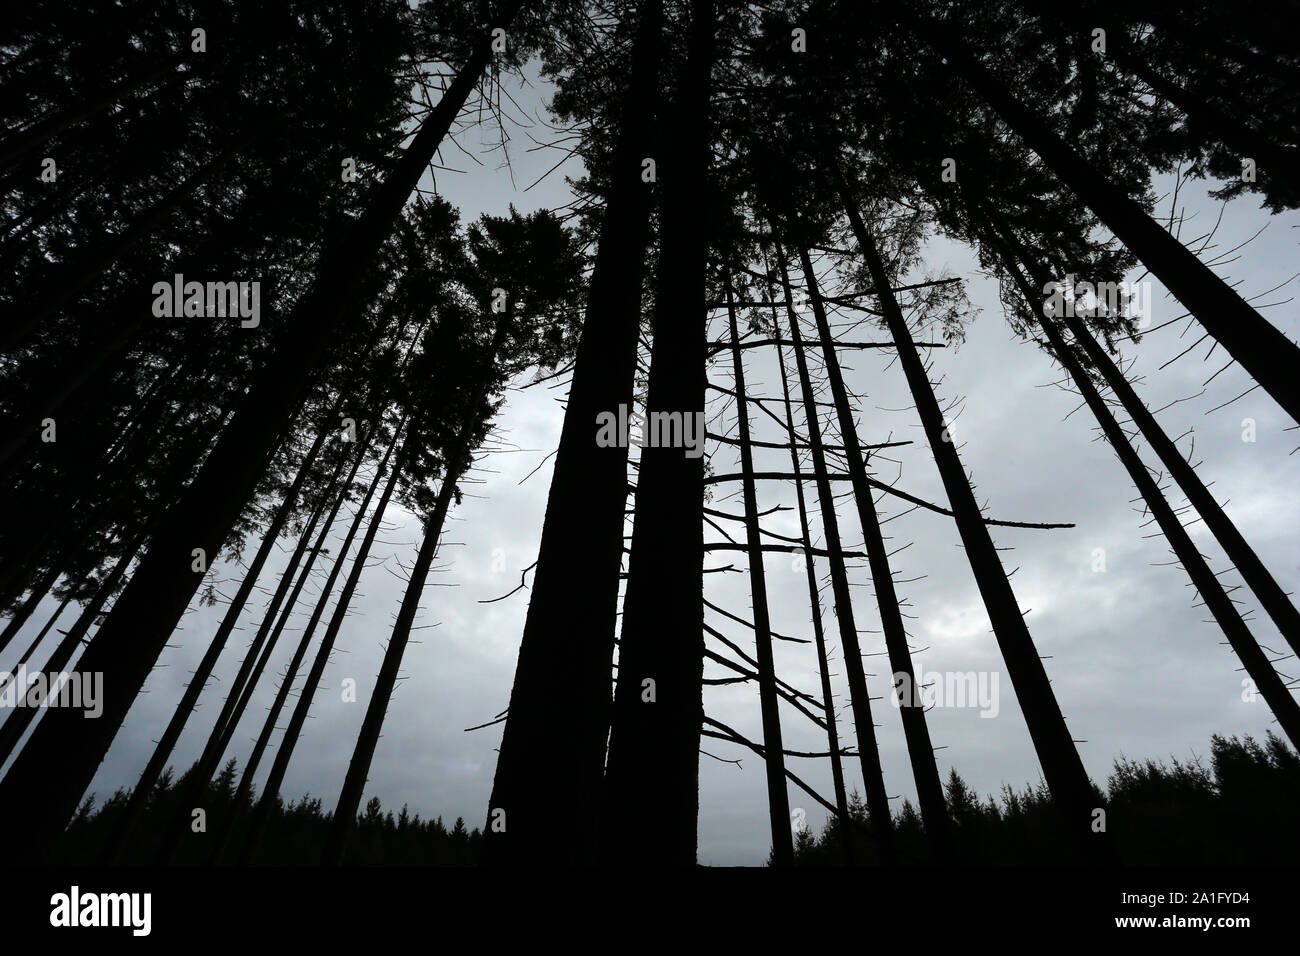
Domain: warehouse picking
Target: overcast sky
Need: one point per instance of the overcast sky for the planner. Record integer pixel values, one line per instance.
(1137, 670)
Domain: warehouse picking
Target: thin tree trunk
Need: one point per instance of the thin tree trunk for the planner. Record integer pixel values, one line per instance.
(36, 641)
(232, 707)
(249, 687)
(1257, 577)
(210, 756)
(166, 744)
(21, 614)
(552, 756)
(1266, 354)
(363, 754)
(12, 730)
(345, 813)
(873, 777)
(920, 751)
(1062, 766)
(814, 600)
(271, 791)
(28, 654)
(291, 672)
(652, 777)
(778, 801)
(1261, 671)
(45, 784)
(10, 736)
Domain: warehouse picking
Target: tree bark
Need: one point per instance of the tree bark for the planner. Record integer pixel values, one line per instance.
(552, 756)
(814, 601)
(778, 801)
(652, 776)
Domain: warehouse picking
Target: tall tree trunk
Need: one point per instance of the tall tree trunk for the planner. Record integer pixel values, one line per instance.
(873, 776)
(778, 801)
(250, 684)
(274, 619)
(652, 777)
(920, 751)
(45, 784)
(814, 600)
(1062, 767)
(11, 733)
(552, 756)
(271, 791)
(1257, 577)
(250, 668)
(1261, 671)
(1261, 349)
(28, 654)
(291, 672)
(345, 813)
